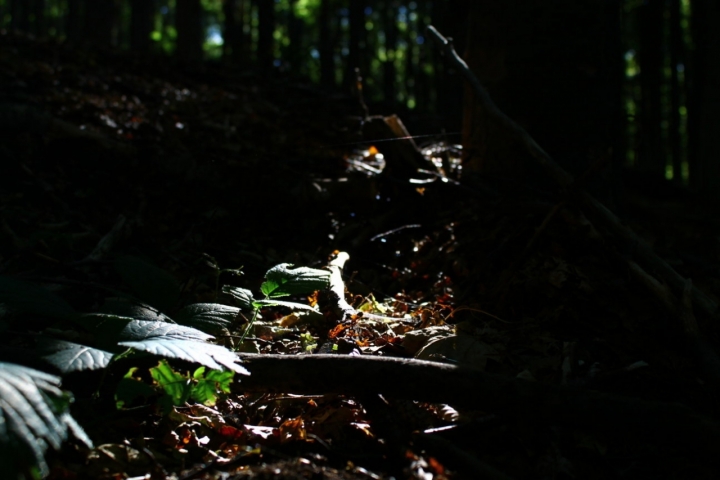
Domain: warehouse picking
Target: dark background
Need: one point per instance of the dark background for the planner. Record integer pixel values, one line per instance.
(629, 83)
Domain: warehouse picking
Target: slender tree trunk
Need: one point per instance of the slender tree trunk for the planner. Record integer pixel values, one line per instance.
(391, 40)
(295, 33)
(232, 32)
(705, 167)
(188, 21)
(74, 26)
(141, 24)
(676, 54)
(18, 15)
(266, 31)
(356, 43)
(326, 47)
(651, 155)
(39, 26)
(99, 22)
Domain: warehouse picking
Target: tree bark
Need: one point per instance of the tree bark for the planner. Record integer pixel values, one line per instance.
(74, 26)
(141, 24)
(100, 22)
(356, 43)
(391, 40)
(266, 32)
(188, 20)
(327, 46)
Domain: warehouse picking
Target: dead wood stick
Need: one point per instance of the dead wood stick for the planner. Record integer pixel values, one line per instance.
(470, 387)
(640, 248)
(337, 289)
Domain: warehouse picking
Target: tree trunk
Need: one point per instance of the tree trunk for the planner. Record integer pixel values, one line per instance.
(391, 39)
(188, 21)
(74, 30)
(141, 24)
(39, 26)
(705, 106)
(266, 32)
(676, 57)
(18, 15)
(356, 43)
(231, 36)
(99, 22)
(651, 155)
(326, 47)
(544, 64)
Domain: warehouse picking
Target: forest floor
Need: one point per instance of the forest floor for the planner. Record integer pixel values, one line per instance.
(215, 176)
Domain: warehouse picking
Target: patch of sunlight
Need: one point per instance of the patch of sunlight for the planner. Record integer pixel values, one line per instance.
(669, 173)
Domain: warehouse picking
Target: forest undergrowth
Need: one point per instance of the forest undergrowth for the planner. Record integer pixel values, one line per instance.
(166, 231)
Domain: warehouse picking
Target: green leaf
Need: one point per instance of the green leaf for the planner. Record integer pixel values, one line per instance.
(206, 389)
(28, 297)
(281, 303)
(148, 282)
(208, 317)
(72, 357)
(33, 416)
(176, 386)
(213, 356)
(242, 297)
(281, 281)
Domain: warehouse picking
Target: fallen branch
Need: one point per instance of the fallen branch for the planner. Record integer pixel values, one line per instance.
(639, 247)
(461, 386)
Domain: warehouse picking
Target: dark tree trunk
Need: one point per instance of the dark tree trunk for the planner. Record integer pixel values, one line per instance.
(295, 32)
(356, 43)
(266, 31)
(544, 64)
(99, 22)
(651, 155)
(705, 105)
(19, 15)
(391, 39)
(39, 26)
(74, 26)
(326, 48)
(232, 31)
(676, 57)
(188, 21)
(141, 24)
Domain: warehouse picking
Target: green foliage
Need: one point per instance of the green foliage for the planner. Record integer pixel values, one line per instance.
(281, 281)
(33, 417)
(175, 388)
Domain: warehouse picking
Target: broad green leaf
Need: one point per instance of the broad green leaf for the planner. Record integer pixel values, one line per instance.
(206, 389)
(243, 297)
(28, 297)
(281, 281)
(212, 356)
(33, 416)
(281, 303)
(148, 282)
(176, 386)
(126, 307)
(208, 317)
(72, 357)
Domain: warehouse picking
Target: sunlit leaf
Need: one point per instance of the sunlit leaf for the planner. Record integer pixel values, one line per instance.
(148, 282)
(281, 281)
(206, 389)
(72, 357)
(213, 356)
(207, 317)
(243, 297)
(28, 297)
(33, 417)
(175, 385)
(281, 303)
